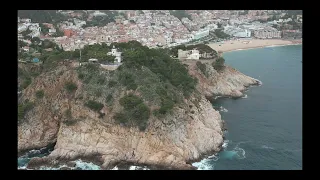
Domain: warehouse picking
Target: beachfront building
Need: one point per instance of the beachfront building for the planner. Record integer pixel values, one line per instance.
(267, 34)
(191, 54)
(237, 32)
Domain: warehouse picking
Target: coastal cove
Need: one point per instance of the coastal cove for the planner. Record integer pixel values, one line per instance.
(264, 128)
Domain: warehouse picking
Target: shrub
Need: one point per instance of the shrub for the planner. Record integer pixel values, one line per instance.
(109, 98)
(202, 68)
(69, 122)
(81, 76)
(112, 83)
(23, 109)
(130, 101)
(126, 79)
(132, 86)
(96, 106)
(34, 74)
(70, 87)
(101, 80)
(141, 113)
(68, 114)
(219, 64)
(39, 94)
(26, 82)
(120, 118)
(98, 93)
(166, 106)
(135, 110)
(92, 67)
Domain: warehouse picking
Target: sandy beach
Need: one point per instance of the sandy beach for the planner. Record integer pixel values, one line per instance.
(233, 45)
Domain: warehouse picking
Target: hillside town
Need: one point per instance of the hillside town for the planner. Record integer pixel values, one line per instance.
(161, 28)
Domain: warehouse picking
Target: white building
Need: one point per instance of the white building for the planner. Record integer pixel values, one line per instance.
(22, 27)
(53, 30)
(78, 23)
(264, 34)
(237, 32)
(242, 34)
(26, 20)
(191, 54)
(98, 13)
(114, 52)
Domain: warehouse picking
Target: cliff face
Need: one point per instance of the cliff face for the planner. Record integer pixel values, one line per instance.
(225, 82)
(193, 129)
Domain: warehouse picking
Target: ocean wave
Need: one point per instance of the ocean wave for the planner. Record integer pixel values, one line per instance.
(86, 166)
(204, 164)
(245, 96)
(266, 147)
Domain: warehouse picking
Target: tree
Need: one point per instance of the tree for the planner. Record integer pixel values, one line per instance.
(21, 44)
(96, 106)
(219, 64)
(26, 32)
(44, 29)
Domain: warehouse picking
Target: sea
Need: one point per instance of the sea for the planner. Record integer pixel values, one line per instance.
(264, 128)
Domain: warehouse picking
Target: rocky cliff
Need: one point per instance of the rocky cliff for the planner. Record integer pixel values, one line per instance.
(193, 129)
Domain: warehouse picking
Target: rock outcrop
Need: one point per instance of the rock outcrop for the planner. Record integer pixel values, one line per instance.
(192, 130)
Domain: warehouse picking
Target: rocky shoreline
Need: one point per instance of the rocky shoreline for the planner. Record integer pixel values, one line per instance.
(192, 132)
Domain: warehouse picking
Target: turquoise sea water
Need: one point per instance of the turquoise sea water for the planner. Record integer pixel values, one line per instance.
(265, 128)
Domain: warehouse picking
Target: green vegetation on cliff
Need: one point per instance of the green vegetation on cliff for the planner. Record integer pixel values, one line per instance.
(202, 68)
(151, 74)
(135, 112)
(39, 94)
(202, 48)
(219, 64)
(148, 83)
(23, 108)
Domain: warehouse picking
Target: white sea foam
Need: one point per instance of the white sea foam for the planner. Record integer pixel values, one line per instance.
(222, 109)
(138, 168)
(241, 153)
(115, 168)
(266, 147)
(203, 165)
(245, 96)
(216, 97)
(206, 163)
(225, 144)
(86, 166)
(34, 151)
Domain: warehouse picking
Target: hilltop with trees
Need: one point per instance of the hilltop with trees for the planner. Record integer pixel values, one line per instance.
(155, 78)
